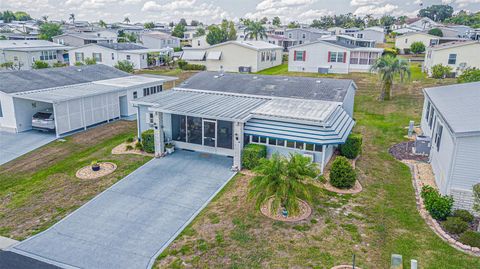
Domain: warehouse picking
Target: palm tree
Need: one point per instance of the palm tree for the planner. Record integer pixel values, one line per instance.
(45, 18)
(126, 20)
(284, 180)
(387, 68)
(102, 24)
(72, 18)
(254, 30)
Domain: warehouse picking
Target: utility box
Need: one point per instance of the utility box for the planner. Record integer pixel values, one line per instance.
(396, 262)
(422, 145)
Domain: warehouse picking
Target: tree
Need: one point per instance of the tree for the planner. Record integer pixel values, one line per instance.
(149, 25)
(22, 16)
(200, 32)
(126, 20)
(194, 23)
(255, 30)
(179, 30)
(221, 34)
(417, 47)
(45, 18)
(387, 68)
(102, 24)
(436, 12)
(264, 20)
(387, 20)
(284, 180)
(435, 32)
(125, 66)
(440, 71)
(465, 18)
(469, 75)
(7, 16)
(276, 21)
(72, 18)
(126, 37)
(293, 24)
(40, 65)
(183, 22)
(48, 30)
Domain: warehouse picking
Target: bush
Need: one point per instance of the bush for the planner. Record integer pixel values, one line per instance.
(469, 75)
(417, 47)
(464, 215)
(40, 65)
(252, 153)
(455, 225)
(138, 146)
(194, 67)
(130, 140)
(391, 51)
(125, 66)
(129, 147)
(440, 71)
(406, 51)
(470, 238)
(436, 32)
(182, 64)
(148, 141)
(342, 174)
(438, 206)
(352, 147)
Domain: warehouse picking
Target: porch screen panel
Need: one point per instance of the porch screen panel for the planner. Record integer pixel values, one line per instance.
(179, 131)
(194, 128)
(61, 117)
(225, 134)
(75, 114)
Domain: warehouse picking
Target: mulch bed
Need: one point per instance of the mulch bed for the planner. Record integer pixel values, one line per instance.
(305, 212)
(86, 172)
(403, 151)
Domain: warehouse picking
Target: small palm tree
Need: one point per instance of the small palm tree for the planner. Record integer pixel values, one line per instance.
(102, 24)
(72, 18)
(126, 20)
(388, 67)
(284, 180)
(254, 30)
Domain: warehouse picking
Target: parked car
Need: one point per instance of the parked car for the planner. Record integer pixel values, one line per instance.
(43, 120)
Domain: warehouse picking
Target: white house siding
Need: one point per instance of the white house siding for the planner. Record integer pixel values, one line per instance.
(109, 57)
(368, 34)
(317, 57)
(7, 121)
(405, 41)
(27, 58)
(159, 43)
(200, 42)
(465, 172)
(24, 110)
(348, 101)
(467, 54)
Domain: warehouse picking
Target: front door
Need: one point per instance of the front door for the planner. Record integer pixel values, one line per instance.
(209, 133)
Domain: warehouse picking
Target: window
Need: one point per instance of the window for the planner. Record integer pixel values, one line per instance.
(225, 134)
(1, 111)
(135, 95)
(406, 40)
(113, 56)
(318, 148)
(309, 146)
(48, 55)
(97, 57)
(340, 57)
(281, 142)
(304, 35)
(15, 58)
(179, 128)
(438, 136)
(198, 43)
(427, 111)
(354, 55)
(79, 56)
(299, 145)
(263, 140)
(452, 58)
(290, 144)
(336, 57)
(194, 130)
(432, 114)
(299, 55)
(254, 139)
(364, 56)
(332, 56)
(272, 141)
(359, 35)
(274, 56)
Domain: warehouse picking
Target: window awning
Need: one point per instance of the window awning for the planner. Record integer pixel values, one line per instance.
(214, 55)
(193, 55)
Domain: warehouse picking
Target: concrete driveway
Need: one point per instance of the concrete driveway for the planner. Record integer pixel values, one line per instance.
(14, 145)
(129, 224)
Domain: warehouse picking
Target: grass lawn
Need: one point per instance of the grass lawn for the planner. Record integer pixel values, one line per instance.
(40, 188)
(380, 221)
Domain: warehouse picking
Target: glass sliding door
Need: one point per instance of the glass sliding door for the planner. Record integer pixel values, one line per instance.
(209, 133)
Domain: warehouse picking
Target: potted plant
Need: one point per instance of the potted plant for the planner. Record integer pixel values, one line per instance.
(95, 166)
(169, 148)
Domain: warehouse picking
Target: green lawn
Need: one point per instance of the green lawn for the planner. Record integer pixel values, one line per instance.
(381, 220)
(40, 188)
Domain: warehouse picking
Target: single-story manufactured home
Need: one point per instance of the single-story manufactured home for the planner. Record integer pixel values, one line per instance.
(79, 97)
(221, 113)
(235, 56)
(459, 55)
(451, 121)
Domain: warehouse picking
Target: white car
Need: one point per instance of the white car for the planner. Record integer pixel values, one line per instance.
(43, 120)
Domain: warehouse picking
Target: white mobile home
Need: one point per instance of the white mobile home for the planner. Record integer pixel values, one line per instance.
(459, 55)
(450, 119)
(403, 42)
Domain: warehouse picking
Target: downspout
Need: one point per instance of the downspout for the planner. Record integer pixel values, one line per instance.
(323, 159)
(139, 126)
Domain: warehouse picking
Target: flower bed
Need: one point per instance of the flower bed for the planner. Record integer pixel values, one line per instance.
(124, 149)
(305, 212)
(86, 172)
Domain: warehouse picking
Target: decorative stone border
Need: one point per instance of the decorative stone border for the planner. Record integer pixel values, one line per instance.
(86, 172)
(432, 223)
(307, 211)
(356, 189)
(345, 267)
(122, 149)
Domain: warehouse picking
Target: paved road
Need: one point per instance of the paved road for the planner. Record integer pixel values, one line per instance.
(129, 224)
(14, 145)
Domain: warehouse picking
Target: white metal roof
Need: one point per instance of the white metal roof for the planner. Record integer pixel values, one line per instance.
(214, 55)
(193, 55)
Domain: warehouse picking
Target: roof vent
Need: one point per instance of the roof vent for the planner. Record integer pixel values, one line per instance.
(216, 76)
(318, 81)
(79, 70)
(286, 79)
(255, 77)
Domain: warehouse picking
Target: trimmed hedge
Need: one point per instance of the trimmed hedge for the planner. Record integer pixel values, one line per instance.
(148, 141)
(342, 175)
(439, 207)
(184, 65)
(464, 215)
(470, 238)
(455, 225)
(352, 147)
(252, 154)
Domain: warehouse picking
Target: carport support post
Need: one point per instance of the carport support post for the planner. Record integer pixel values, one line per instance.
(237, 145)
(323, 159)
(158, 134)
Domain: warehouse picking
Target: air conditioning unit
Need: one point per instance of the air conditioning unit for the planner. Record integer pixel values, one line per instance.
(323, 70)
(244, 69)
(149, 118)
(310, 156)
(422, 145)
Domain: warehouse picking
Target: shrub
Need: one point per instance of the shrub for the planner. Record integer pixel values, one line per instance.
(252, 153)
(342, 174)
(130, 140)
(455, 225)
(438, 206)
(148, 141)
(138, 146)
(440, 71)
(352, 146)
(40, 65)
(417, 47)
(194, 67)
(125, 66)
(469, 75)
(129, 147)
(436, 32)
(406, 51)
(181, 64)
(464, 215)
(391, 51)
(470, 238)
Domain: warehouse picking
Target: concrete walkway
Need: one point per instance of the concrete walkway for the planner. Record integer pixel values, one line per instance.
(14, 145)
(129, 224)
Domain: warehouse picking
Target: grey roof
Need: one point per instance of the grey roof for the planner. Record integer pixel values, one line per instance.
(28, 80)
(459, 106)
(326, 89)
(12, 260)
(342, 44)
(121, 46)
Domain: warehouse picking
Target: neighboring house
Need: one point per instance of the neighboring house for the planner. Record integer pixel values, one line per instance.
(110, 53)
(331, 56)
(305, 35)
(456, 31)
(159, 40)
(80, 39)
(424, 23)
(200, 42)
(78, 96)
(405, 41)
(212, 113)
(336, 30)
(457, 54)
(24, 53)
(350, 40)
(235, 56)
(376, 34)
(450, 119)
(281, 40)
